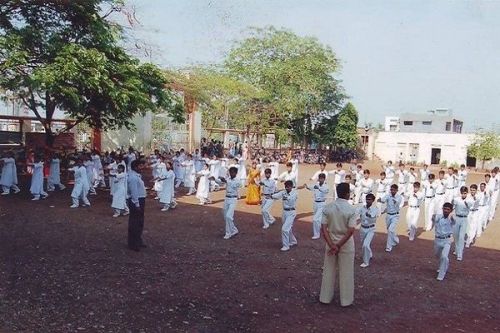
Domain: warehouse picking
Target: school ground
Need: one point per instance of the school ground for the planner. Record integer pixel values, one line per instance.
(68, 270)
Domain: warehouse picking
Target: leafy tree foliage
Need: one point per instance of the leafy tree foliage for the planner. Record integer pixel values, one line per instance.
(345, 134)
(66, 55)
(294, 74)
(485, 146)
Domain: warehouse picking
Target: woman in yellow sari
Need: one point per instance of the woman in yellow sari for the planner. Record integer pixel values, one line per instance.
(253, 188)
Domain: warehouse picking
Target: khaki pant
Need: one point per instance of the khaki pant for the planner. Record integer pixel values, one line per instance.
(343, 265)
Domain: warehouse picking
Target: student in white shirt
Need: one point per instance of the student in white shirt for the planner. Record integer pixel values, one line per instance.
(119, 203)
(167, 194)
(450, 185)
(338, 177)
(365, 185)
(233, 185)
(36, 188)
(424, 174)
(462, 176)
(368, 215)
(443, 227)
(473, 216)
(320, 191)
(289, 198)
(322, 170)
(390, 172)
(484, 203)
(429, 188)
(440, 188)
(382, 187)
(268, 189)
(54, 178)
(462, 205)
(393, 201)
(203, 190)
(415, 199)
(288, 175)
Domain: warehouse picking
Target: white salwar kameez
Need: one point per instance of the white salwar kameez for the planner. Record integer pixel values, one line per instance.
(37, 181)
(54, 178)
(9, 176)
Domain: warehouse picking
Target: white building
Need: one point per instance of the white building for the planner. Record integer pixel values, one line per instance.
(391, 124)
(429, 148)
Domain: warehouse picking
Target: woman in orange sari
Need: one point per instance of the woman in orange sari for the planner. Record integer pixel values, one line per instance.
(253, 189)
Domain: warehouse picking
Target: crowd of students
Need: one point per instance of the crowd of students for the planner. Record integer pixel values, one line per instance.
(423, 192)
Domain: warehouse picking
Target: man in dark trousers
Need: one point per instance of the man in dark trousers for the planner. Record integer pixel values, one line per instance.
(136, 204)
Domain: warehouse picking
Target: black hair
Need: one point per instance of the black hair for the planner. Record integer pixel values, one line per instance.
(233, 170)
(464, 189)
(394, 186)
(343, 190)
(321, 176)
(473, 186)
(370, 196)
(448, 205)
(289, 183)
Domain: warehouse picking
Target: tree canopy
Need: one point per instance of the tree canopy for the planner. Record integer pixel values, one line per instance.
(67, 56)
(485, 146)
(295, 75)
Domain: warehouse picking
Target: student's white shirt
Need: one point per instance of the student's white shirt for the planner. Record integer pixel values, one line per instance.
(366, 185)
(315, 177)
(339, 176)
(416, 199)
(232, 187)
(402, 176)
(368, 216)
(269, 186)
(390, 172)
(429, 188)
(382, 186)
(319, 191)
(424, 174)
(289, 199)
(288, 176)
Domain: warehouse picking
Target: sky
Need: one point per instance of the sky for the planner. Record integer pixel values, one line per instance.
(397, 56)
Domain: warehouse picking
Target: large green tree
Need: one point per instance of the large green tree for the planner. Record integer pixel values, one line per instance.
(296, 76)
(222, 99)
(345, 134)
(485, 146)
(68, 56)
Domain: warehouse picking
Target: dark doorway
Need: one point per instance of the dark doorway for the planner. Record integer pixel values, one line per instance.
(471, 162)
(435, 155)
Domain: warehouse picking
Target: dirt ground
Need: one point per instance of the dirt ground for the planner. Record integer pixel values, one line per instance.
(68, 270)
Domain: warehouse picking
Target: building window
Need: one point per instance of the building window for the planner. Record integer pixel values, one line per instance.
(428, 123)
(448, 126)
(408, 123)
(393, 128)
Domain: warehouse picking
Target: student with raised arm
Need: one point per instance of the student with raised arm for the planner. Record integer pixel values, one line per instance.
(368, 215)
(443, 227)
(393, 205)
(320, 191)
(268, 189)
(233, 185)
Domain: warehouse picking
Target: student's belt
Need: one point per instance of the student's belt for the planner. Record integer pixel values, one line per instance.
(231, 196)
(288, 209)
(432, 196)
(319, 200)
(473, 210)
(450, 188)
(396, 213)
(439, 193)
(368, 226)
(443, 237)
(461, 215)
(414, 206)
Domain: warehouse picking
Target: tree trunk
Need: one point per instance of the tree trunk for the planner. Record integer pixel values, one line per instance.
(50, 138)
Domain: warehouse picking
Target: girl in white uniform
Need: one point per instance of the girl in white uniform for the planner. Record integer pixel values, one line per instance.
(81, 187)
(37, 180)
(54, 178)
(189, 174)
(9, 174)
(203, 185)
(167, 188)
(119, 203)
